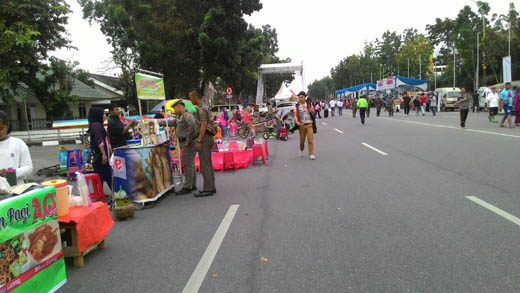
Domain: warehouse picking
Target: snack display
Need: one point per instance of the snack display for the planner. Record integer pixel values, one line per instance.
(42, 242)
(13, 255)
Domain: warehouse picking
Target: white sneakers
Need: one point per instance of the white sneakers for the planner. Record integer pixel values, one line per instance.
(312, 157)
(301, 154)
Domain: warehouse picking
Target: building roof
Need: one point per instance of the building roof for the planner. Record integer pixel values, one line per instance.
(114, 82)
(85, 92)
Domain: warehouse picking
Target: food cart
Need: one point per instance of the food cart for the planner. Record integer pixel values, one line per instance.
(31, 256)
(143, 173)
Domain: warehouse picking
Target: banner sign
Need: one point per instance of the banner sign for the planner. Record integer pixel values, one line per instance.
(506, 65)
(149, 87)
(142, 173)
(385, 84)
(31, 256)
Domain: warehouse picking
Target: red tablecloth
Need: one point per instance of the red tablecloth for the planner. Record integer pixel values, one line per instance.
(242, 158)
(92, 223)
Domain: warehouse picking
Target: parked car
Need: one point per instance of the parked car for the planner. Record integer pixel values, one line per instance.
(218, 108)
(285, 105)
(483, 93)
(448, 96)
(262, 108)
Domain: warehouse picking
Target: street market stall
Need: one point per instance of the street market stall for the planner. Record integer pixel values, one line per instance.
(359, 89)
(31, 256)
(142, 172)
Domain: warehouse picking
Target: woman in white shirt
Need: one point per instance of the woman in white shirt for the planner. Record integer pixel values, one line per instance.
(492, 100)
(14, 153)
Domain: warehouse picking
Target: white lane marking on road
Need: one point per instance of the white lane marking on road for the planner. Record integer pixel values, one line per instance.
(452, 127)
(494, 209)
(337, 130)
(324, 123)
(375, 149)
(200, 272)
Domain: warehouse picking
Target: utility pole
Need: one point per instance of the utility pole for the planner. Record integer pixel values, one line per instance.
(510, 23)
(408, 67)
(454, 64)
(420, 66)
(478, 63)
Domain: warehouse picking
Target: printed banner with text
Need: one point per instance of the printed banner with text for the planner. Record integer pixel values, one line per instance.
(149, 87)
(31, 256)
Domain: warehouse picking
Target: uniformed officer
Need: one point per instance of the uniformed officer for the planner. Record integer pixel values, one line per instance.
(204, 144)
(379, 105)
(187, 130)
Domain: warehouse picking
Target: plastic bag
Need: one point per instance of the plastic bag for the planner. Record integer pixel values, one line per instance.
(83, 189)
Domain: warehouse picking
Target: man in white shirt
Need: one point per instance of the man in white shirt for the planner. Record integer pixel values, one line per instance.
(332, 105)
(492, 101)
(14, 153)
(340, 107)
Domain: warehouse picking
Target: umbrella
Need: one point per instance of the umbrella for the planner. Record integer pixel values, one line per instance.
(169, 106)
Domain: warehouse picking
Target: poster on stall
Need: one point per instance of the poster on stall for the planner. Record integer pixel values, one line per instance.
(31, 256)
(149, 87)
(142, 173)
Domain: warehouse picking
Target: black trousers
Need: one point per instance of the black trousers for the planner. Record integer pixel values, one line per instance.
(362, 112)
(326, 114)
(319, 114)
(406, 109)
(463, 116)
(378, 109)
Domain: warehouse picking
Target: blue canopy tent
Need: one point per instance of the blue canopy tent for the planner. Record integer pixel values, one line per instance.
(367, 87)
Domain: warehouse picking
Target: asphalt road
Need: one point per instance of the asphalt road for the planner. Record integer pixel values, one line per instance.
(387, 207)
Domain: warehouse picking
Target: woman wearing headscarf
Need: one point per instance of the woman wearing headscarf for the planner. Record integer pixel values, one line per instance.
(99, 144)
(517, 106)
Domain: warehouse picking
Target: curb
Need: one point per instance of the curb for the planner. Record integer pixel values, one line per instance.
(51, 142)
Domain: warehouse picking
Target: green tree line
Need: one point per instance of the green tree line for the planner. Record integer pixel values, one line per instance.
(411, 53)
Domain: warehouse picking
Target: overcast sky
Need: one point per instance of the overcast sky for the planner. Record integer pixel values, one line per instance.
(319, 33)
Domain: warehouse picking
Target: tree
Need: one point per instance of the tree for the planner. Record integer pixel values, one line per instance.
(321, 89)
(29, 30)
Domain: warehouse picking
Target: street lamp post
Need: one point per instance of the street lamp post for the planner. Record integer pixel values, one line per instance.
(454, 63)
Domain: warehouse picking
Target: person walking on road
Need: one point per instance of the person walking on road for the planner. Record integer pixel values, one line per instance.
(332, 104)
(506, 104)
(433, 103)
(463, 103)
(362, 104)
(339, 104)
(492, 100)
(406, 101)
(516, 103)
(317, 108)
(390, 106)
(475, 103)
(423, 100)
(303, 119)
(204, 144)
(187, 131)
(379, 105)
(325, 110)
(354, 106)
(369, 103)
(417, 106)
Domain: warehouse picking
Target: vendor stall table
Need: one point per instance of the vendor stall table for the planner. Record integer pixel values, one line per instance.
(144, 173)
(85, 229)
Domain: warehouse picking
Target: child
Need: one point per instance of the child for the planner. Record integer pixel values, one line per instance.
(233, 128)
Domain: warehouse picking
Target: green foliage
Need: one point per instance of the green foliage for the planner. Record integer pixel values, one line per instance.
(321, 89)
(390, 54)
(190, 42)
(29, 30)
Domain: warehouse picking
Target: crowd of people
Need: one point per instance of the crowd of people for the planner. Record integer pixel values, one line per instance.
(505, 102)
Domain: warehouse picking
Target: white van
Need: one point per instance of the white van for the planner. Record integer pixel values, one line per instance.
(483, 93)
(448, 96)
(218, 108)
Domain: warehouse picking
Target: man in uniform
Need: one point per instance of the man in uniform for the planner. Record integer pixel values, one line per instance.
(187, 130)
(204, 144)
(379, 105)
(354, 106)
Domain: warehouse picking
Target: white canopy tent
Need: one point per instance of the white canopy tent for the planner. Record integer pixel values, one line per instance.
(278, 69)
(287, 91)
